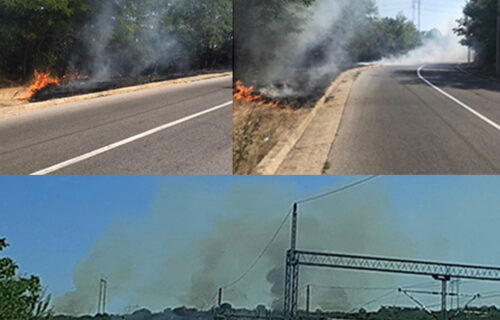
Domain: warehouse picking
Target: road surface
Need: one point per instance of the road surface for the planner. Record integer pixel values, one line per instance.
(401, 121)
(176, 129)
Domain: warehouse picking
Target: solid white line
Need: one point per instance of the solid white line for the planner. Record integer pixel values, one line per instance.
(460, 103)
(126, 141)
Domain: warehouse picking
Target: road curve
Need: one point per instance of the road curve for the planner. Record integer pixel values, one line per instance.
(177, 129)
(436, 121)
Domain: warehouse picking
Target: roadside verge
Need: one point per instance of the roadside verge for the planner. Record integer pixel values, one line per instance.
(9, 111)
(304, 149)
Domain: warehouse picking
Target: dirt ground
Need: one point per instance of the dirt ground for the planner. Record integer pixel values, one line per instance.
(10, 96)
(257, 129)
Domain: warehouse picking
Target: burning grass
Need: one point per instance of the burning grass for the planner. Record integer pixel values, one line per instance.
(259, 120)
(257, 128)
(43, 80)
(40, 81)
(247, 94)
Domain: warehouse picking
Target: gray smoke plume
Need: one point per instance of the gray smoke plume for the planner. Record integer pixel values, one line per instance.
(112, 51)
(147, 266)
(306, 60)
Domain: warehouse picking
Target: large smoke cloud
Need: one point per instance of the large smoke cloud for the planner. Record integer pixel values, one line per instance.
(147, 266)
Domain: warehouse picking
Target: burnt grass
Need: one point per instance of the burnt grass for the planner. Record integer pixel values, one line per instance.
(308, 90)
(85, 86)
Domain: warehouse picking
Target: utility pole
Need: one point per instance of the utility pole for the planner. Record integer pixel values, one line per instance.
(291, 271)
(219, 300)
(99, 299)
(419, 15)
(413, 6)
(101, 302)
(308, 298)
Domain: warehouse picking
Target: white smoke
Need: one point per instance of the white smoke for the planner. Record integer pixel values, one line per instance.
(437, 49)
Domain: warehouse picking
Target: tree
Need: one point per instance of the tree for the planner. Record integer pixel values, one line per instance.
(21, 298)
(261, 28)
(478, 26)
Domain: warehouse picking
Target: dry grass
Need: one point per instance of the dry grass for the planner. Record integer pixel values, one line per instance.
(256, 130)
(11, 96)
(10, 105)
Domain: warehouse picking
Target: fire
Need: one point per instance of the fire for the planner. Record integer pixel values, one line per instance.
(40, 81)
(240, 92)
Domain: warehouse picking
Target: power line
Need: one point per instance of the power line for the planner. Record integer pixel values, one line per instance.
(343, 188)
(275, 235)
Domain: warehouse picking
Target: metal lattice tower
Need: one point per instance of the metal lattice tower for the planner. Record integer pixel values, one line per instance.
(443, 272)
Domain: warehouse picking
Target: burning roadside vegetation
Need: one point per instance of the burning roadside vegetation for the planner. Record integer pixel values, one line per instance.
(264, 113)
(44, 86)
(260, 118)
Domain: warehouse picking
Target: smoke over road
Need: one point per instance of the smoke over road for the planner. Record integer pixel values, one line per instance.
(148, 267)
(436, 48)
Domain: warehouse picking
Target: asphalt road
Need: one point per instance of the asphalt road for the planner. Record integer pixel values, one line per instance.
(396, 123)
(112, 135)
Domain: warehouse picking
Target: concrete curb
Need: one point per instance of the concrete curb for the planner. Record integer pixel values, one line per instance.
(272, 162)
(6, 112)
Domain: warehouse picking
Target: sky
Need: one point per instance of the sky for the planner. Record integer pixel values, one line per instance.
(63, 229)
(435, 14)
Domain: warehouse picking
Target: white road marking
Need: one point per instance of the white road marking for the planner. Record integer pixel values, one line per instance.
(460, 103)
(126, 141)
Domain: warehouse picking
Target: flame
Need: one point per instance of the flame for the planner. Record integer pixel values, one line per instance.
(40, 81)
(240, 92)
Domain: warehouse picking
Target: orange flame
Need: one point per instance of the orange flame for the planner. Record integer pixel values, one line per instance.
(40, 81)
(240, 92)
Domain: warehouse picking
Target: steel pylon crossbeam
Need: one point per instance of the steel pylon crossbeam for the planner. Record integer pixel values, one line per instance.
(382, 264)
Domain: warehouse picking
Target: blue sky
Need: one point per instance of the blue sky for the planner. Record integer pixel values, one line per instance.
(435, 14)
(54, 223)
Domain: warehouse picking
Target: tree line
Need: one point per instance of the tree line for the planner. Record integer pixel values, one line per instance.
(358, 34)
(478, 26)
(64, 36)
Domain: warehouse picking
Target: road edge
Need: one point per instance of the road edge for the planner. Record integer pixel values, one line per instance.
(37, 106)
(461, 69)
(272, 162)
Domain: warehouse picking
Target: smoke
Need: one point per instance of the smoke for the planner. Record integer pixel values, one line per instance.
(437, 48)
(149, 266)
(310, 58)
(126, 39)
(303, 50)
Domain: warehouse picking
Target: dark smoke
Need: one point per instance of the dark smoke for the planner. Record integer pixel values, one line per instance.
(146, 266)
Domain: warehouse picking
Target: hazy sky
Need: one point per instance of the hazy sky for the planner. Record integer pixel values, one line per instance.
(54, 223)
(435, 14)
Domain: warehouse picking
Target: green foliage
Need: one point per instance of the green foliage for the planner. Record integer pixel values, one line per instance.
(478, 26)
(384, 37)
(206, 27)
(264, 27)
(261, 28)
(61, 35)
(21, 298)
